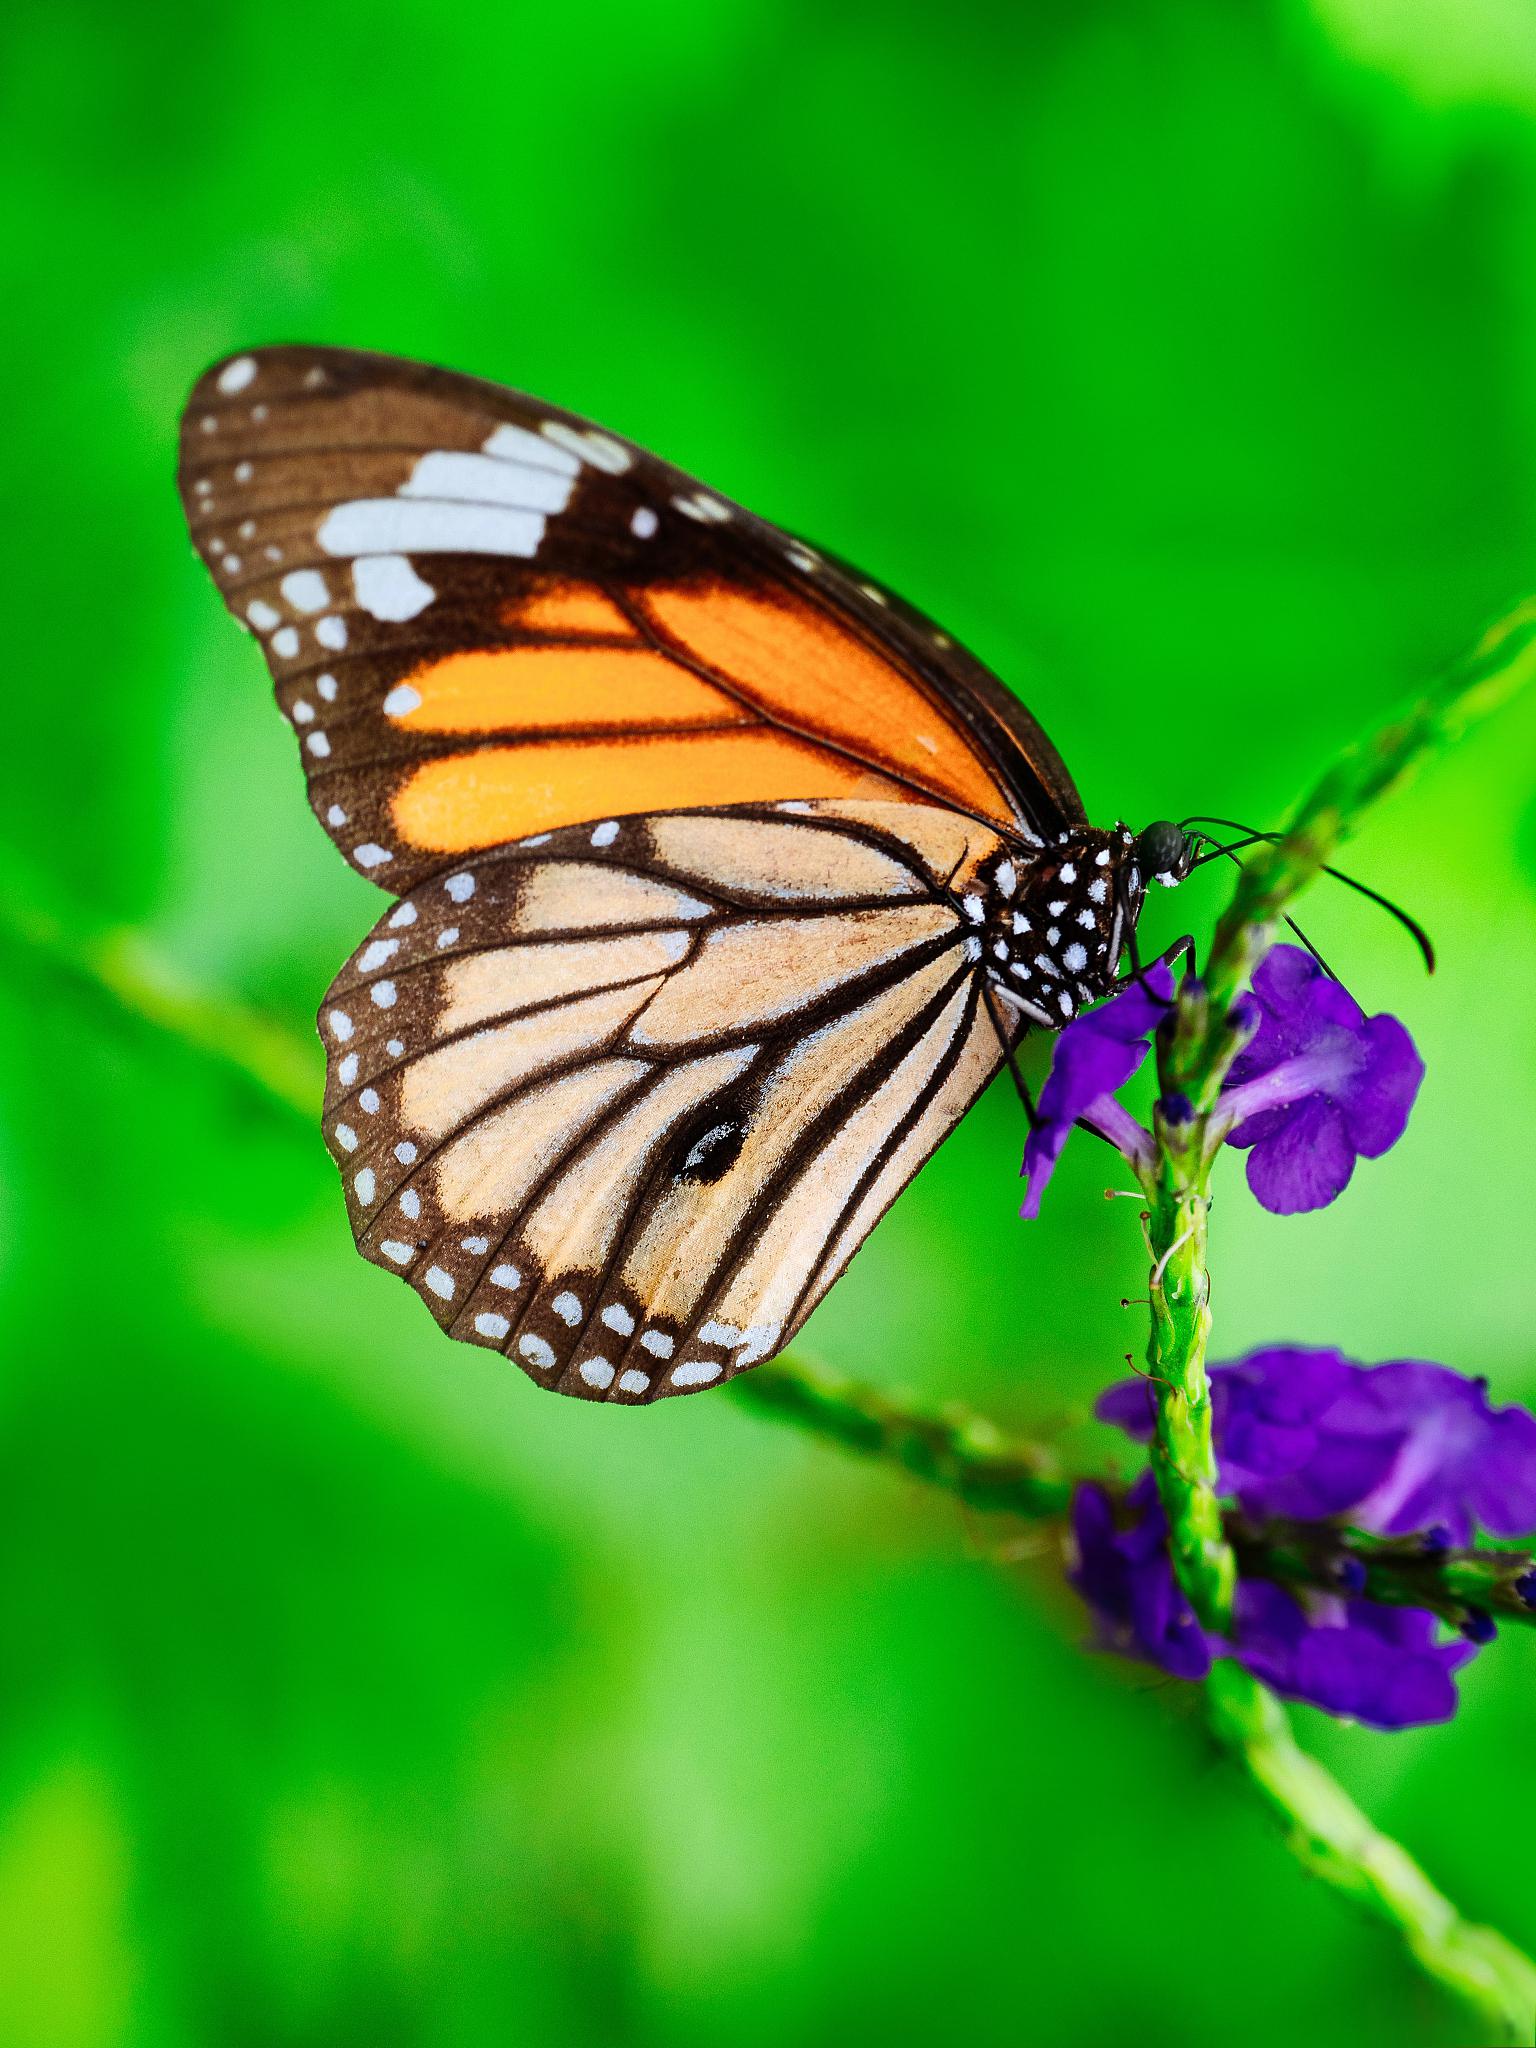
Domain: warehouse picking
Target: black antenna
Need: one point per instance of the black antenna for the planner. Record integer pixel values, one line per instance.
(1411, 925)
(1231, 854)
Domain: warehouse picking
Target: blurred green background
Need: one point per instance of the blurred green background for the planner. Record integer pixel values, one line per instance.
(1178, 354)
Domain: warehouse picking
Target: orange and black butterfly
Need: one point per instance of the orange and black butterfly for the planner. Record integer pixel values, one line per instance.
(725, 881)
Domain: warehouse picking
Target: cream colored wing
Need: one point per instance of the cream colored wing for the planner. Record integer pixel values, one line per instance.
(623, 1100)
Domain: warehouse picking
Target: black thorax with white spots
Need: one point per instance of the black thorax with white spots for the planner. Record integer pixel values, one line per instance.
(1052, 924)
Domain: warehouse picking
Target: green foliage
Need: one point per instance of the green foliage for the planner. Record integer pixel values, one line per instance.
(1179, 357)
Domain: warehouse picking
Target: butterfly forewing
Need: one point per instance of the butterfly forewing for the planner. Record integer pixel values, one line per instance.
(622, 1104)
(486, 619)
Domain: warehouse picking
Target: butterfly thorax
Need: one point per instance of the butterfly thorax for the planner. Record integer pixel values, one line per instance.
(1052, 924)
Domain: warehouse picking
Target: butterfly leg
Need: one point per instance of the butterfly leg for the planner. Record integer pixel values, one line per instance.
(1025, 1094)
(1181, 949)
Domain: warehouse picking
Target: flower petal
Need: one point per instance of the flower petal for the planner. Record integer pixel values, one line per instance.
(1306, 1164)
(1096, 1054)
(1501, 1486)
(1377, 1108)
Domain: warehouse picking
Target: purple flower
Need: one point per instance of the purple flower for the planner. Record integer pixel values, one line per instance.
(1319, 1085)
(1379, 1665)
(1096, 1054)
(1460, 1464)
(1398, 1448)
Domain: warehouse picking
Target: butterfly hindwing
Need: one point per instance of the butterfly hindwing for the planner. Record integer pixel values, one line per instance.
(623, 1103)
(486, 619)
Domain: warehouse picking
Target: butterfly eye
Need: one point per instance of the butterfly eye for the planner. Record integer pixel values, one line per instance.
(710, 1144)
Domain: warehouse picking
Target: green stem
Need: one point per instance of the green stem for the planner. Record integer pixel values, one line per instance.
(954, 1448)
(1179, 1292)
(1329, 1834)
(257, 1050)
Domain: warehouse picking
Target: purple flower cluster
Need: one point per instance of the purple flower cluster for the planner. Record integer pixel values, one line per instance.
(1319, 1084)
(1380, 1665)
(1402, 1448)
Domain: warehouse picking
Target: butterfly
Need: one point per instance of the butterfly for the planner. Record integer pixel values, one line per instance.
(722, 880)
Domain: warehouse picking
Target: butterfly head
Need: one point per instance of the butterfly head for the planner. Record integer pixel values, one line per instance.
(1165, 852)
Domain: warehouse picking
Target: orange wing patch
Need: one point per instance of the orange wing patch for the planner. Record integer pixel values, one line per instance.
(469, 801)
(569, 608)
(807, 671)
(719, 692)
(558, 689)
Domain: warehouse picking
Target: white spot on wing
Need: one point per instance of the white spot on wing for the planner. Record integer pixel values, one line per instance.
(389, 588)
(506, 1276)
(536, 1351)
(237, 375)
(642, 524)
(405, 526)
(601, 450)
(262, 616)
(489, 1324)
(567, 1308)
(606, 833)
(698, 1372)
(305, 590)
(331, 632)
(460, 887)
(401, 700)
(597, 1372)
(701, 506)
(441, 1283)
(633, 1382)
(516, 444)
